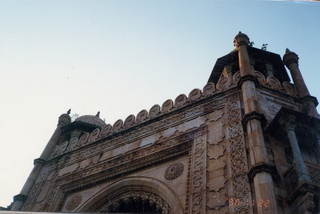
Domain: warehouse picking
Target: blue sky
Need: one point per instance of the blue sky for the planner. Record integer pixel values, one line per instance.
(120, 57)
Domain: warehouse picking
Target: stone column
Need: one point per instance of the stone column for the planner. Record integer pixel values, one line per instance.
(19, 199)
(301, 170)
(290, 59)
(263, 183)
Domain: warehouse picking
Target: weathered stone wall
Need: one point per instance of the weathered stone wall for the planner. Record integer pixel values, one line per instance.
(187, 156)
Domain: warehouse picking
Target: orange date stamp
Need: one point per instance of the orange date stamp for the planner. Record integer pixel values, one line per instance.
(238, 202)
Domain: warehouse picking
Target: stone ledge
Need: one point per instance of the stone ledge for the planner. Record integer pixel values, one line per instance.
(246, 78)
(261, 167)
(254, 115)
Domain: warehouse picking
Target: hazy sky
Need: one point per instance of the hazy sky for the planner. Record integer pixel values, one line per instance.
(120, 57)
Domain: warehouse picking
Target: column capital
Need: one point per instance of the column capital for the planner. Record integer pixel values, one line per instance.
(262, 167)
(240, 39)
(254, 115)
(309, 98)
(288, 123)
(246, 78)
(290, 57)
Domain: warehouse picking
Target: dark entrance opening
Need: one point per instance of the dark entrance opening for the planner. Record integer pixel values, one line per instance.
(135, 205)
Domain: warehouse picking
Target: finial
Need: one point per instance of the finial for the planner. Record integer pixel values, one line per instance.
(287, 50)
(69, 111)
(290, 57)
(98, 114)
(241, 39)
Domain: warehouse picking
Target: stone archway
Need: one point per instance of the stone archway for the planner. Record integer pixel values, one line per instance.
(134, 195)
(136, 202)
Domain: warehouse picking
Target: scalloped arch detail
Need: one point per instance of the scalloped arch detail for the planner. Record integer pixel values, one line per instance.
(143, 184)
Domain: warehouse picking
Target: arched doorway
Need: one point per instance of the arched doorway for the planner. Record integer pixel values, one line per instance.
(136, 202)
(134, 195)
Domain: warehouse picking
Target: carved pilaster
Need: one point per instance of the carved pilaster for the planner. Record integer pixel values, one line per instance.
(239, 183)
(198, 177)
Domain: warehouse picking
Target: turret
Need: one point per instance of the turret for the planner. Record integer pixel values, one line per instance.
(291, 60)
(19, 199)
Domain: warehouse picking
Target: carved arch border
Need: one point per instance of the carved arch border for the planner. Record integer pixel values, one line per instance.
(143, 184)
(193, 142)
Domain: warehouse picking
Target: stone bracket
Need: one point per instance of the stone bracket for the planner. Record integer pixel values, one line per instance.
(261, 167)
(254, 115)
(246, 78)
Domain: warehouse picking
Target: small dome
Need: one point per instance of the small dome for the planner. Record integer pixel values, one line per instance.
(94, 120)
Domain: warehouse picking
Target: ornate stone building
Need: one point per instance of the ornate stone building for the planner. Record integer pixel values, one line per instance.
(247, 143)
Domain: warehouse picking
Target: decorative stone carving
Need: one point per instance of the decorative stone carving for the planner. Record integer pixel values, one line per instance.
(236, 77)
(261, 78)
(129, 121)
(142, 116)
(274, 83)
(174, 171)
(289, 88)
(106, 130)
(223, 83)
(198, 177)
(73, 143)
(62, 148)
(237, 154)
(154, 111)
(167, 106)
(195, 94)
(83, 139)
(74, 202)
(94, 135)
(114, 204)
(209, 89)
(118, 125)
(180, 100)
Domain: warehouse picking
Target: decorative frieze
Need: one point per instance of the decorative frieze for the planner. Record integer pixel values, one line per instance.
(118, 141)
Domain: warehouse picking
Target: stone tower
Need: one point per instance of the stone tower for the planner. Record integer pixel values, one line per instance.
(249, 142)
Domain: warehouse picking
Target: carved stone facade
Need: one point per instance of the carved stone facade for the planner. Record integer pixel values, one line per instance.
(225, 149)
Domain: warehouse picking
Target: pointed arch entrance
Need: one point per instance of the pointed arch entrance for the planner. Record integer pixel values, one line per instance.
(134, 195)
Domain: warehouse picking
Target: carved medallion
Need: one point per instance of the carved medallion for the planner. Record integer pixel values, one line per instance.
(74, 202)
(174, 171)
